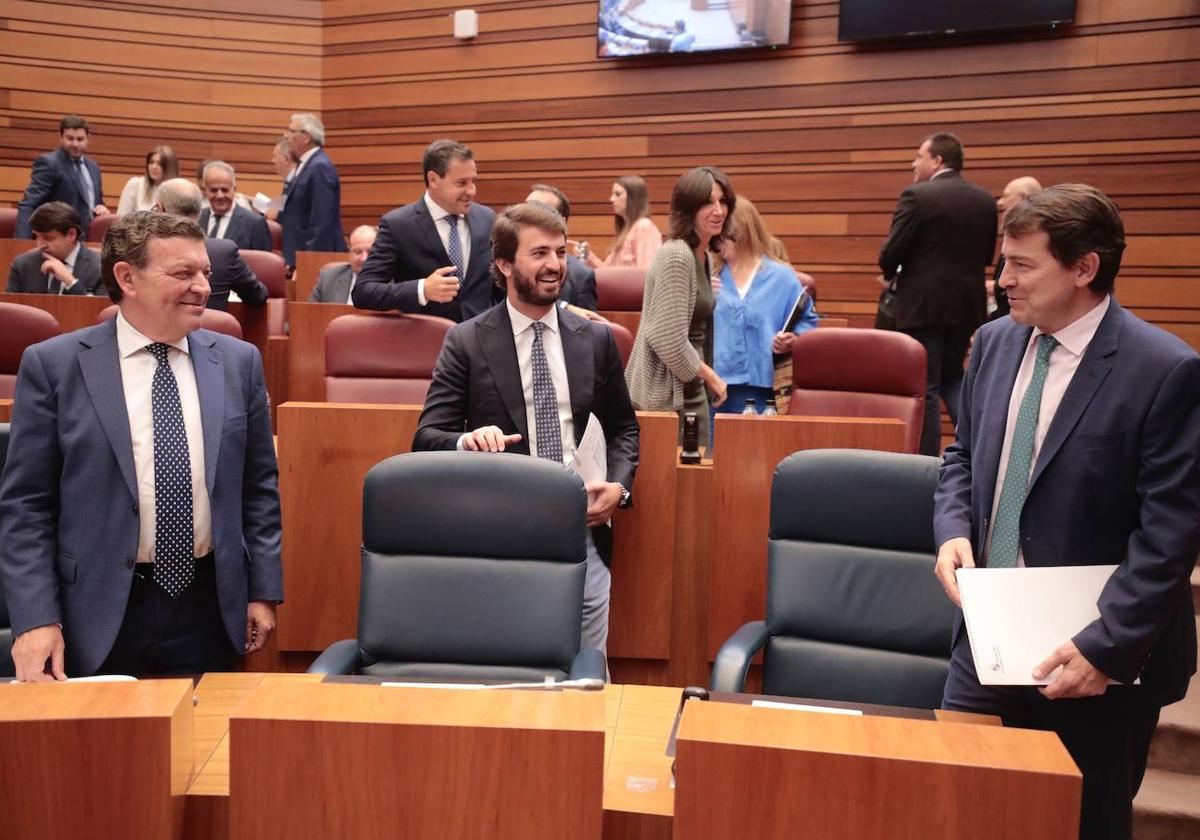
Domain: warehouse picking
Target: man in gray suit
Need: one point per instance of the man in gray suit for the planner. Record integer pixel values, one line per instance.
(139, 512)
(61, 264)
(336, 282)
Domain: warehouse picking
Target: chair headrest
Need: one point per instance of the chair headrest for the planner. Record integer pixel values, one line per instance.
(848, 359)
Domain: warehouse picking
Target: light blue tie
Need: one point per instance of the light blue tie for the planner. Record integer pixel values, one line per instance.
(1006, 532)
(88, 184)
(455, 247)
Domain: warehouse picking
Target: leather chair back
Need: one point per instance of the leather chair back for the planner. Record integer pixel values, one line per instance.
(472, 567)
(8, 222)
(854, 611)
(624, 339)
(276, 235)
(7, 669)
(382, 358)
(212, 319)
(270, 269)
(620, 289)
(99, 226)
(846, 372)
(20, 326)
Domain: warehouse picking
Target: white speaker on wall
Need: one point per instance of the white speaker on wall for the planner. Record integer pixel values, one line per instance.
(466, 24)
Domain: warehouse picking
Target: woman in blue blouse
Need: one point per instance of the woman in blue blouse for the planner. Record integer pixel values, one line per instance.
(755, 298)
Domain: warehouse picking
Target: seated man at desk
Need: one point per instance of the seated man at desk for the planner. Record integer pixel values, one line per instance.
(60, 264)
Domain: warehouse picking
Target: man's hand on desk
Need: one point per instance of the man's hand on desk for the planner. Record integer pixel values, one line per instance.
(32, 648)
(954, 554)
(603, 498)
(1078, 678)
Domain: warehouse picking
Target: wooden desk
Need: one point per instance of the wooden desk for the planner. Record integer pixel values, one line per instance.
(5, 410)
(9, 250)
(306, 347)
(72, 312)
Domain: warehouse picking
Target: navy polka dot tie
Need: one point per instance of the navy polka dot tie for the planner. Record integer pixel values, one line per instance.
(174, 556)
(545, 401)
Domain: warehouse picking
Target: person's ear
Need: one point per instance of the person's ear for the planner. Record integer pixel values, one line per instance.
(124, 273)
(1085, 269)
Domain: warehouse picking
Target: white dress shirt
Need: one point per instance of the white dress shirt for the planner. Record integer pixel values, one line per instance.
(442, 225)
(350, 291)
(1073, 341)
(304, 158)
(69, 262)
(137, 377)
(222, 224)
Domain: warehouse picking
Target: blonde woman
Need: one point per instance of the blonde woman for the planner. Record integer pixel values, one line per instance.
(141, 191)
(637, 238)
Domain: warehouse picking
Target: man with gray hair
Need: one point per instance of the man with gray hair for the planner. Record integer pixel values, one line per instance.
(1016, 191)
(180, 197)
(224, 218)
(312, 214)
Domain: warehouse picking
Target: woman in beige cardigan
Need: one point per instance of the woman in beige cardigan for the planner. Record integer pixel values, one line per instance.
(671, 364)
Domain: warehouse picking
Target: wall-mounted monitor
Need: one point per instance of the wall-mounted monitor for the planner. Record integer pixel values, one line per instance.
(866, 20)
(644, 27)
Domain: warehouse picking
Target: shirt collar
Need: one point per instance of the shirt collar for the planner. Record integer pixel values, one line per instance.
(73, 256)
(436, 211)
(522, 322)
(1077, 335)
(304, 157)
(130, 340)
(940, 172)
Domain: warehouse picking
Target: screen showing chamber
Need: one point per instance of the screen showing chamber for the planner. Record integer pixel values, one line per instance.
(643, 27)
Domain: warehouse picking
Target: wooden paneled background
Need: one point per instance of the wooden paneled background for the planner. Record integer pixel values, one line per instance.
(819, 134)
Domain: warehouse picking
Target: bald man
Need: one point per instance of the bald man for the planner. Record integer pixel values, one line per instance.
(336, 282)
(1016, 191)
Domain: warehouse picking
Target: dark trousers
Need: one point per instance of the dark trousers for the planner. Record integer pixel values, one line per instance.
(165, 635)
(945, 351)
(1107, 736)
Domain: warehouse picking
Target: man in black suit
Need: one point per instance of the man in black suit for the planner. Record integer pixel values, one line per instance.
(336, 282)
(312, 214)
(936, 255)
(1016, 191)
(224, 218)
(61, 264)
(180, 197)
(64, 175)
(579, 289)
(433, 256)
(525, 376)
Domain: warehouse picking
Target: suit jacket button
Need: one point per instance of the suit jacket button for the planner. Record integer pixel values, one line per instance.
(129, 562)
(135, 510)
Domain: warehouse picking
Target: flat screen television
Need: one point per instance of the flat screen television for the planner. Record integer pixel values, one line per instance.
(866, 20)
(646, 27)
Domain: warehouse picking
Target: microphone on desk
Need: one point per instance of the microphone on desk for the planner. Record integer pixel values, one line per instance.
(585, 684)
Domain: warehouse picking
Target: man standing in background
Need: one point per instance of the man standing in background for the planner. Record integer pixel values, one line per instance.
(312, 214)
(64, 175)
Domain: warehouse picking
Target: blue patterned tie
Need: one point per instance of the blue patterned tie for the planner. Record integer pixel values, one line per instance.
(1006, 532)
(545, 402)
(174, 555)
(455, 247)
(88, 184)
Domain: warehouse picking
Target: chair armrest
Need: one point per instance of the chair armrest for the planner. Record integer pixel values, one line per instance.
(589, 663)
(339, 658)
(733, 659)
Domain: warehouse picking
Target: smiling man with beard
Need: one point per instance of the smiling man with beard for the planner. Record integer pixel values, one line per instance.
(524, 376)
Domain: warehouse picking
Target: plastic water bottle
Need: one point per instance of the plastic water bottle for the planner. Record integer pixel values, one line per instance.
(750, 408)
(770, 410)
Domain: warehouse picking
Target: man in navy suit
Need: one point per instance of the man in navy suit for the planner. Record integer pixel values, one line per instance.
(139, 514)
(64, 175)
(1078, 442)
(312, 214)
(224, 218)
(61, 264)
(433, 256)
(525, 376)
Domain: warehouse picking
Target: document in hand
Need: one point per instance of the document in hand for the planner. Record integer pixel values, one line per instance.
(1017, 617)
(591, 456)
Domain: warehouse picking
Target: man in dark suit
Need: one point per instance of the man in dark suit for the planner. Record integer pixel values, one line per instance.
(336, 282)
(312, 214)
(579, 289)
(64, 175)
(941, 242)
(1016, 191)
(525, 376)
(1078, 442)
(224, 218)
(139, 513)
(229, 272)
(433, 256)
(61, 264)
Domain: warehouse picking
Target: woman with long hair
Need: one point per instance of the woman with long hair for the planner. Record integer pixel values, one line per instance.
(671, 364)
(637, 239)
(756, 297)
(141, 191)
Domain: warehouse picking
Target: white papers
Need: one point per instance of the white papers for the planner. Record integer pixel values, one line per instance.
(263, 202)
(102, 678)
(591, 456)
(804, 707)
(1017, 617)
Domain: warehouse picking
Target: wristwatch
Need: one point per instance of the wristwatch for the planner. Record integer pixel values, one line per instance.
(626, 499)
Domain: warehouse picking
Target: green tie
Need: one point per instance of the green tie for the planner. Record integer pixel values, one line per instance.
(1006, 532)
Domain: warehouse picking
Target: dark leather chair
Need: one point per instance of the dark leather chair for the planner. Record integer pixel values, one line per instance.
(620, 289)
(472, 568)
(212, 319)
(270, 269)
(99, 226)
(382, 358)
(276, 235)
(20, 326)
(8, 222)
(7, 669)
(854, 612)
(846, 372)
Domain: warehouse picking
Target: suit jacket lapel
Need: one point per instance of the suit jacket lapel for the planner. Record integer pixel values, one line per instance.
(429, 231)
(1093, 368)
(480, 240)
(208, 366)
(578, 351)
(100, 363)
(341, 284)
(500, 356)
(205, 219)
(1010, 352)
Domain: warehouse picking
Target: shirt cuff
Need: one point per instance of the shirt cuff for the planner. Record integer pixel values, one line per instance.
(459, 446)
(421, 295)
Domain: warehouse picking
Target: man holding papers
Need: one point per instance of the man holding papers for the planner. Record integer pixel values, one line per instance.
(524, 376)
(1078, 443)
